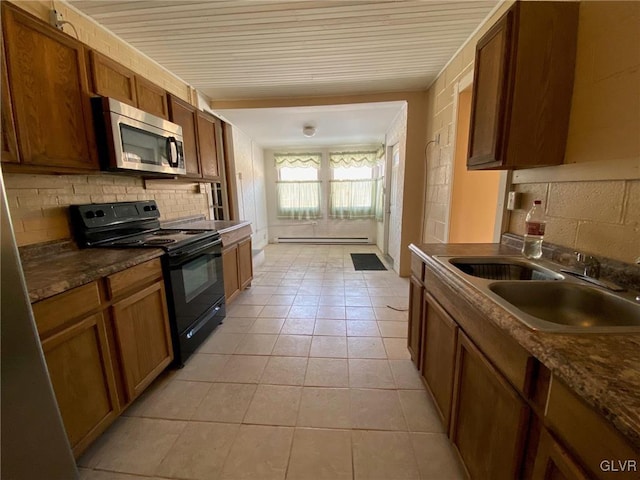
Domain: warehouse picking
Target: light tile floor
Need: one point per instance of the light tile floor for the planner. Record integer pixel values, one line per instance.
(307, 378)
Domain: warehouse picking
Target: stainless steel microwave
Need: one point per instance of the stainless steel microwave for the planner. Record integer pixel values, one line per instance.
(131, 139)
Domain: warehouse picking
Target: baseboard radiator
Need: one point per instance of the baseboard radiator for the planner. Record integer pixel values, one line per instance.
(325, 240)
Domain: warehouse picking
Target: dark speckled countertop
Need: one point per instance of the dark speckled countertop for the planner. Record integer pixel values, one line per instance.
(56, 268)
(604, 370)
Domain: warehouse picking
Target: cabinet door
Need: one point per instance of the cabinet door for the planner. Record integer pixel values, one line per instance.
(49, 92)
(183, 114)
(151, 98)
(142, 332)
(111, 79)
(230, 272)
(553, 462)
(207, 145)
(489, 420)
(416, 292)
(9, 141)
(439, 337)
(81, 373)
(245, 263)
(490, 94)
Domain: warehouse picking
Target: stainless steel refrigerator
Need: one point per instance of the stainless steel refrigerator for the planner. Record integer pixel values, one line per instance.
(34, 443)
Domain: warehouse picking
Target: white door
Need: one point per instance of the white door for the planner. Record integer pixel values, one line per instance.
(393, 233)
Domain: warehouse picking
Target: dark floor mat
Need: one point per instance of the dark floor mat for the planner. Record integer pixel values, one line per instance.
(367, 261)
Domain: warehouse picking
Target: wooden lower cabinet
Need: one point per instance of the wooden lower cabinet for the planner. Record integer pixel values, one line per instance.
(82, 376)
(438, 355)
(230, 272)
(416, 292)
(237, 262)
(143, 336)
(245, 263)
(489, 419)
(552, 462)
(104, 343)
(505, 412)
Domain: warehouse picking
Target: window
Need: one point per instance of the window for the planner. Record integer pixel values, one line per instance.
(353, 186)
(298, 188)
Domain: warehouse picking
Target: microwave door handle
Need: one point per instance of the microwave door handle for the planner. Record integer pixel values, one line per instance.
(172, 152)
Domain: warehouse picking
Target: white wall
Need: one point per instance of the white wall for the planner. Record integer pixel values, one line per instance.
(250, 181)
(321, 227)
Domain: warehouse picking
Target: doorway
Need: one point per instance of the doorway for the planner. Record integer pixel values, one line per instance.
(477, 197)
(392, 227)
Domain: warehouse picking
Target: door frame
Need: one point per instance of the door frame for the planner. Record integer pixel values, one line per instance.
(502, 215)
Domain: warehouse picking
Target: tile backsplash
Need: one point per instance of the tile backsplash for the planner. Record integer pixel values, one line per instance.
(600, 217)
(38, 203)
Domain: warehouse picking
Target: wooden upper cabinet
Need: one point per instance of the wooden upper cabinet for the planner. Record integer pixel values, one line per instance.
(207, 144)
(151, 98)
(111, 79)
(523, 82)
(184, 114)
(9, 140)
(49, 93)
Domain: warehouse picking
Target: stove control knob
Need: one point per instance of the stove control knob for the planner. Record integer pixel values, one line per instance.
(150, 208)
(99, 213)
(90, 214)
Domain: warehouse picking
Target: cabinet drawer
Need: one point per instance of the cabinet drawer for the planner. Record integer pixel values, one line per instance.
(54, 312)
(122, 281)
(587, 434)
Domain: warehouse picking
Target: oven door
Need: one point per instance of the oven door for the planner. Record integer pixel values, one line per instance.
(196, 283)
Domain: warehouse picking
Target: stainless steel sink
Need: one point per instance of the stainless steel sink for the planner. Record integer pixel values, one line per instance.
(503, 268)
(568, 307)
(537, 294)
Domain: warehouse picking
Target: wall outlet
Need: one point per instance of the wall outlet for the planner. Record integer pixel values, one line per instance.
(55, 19)
(513, 201)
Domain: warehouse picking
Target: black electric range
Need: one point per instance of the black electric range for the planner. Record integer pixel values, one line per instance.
(192, 265)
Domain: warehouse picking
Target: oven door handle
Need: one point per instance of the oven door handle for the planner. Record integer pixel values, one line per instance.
(187, 254)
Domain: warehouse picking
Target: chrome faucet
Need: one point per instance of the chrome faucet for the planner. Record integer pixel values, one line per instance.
(590, 264)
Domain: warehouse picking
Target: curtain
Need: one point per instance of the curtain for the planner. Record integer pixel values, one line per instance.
(298, 200)
(297, 160)
(352, 199)
(354, 159)
(379, 207)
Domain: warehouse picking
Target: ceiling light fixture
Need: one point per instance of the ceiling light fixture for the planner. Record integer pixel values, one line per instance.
(308, 131)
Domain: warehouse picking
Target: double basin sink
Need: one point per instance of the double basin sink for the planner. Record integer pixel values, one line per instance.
(544, 298)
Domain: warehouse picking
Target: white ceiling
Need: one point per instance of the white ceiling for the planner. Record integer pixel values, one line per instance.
(359, 124)
(240, 49)
(245, 49)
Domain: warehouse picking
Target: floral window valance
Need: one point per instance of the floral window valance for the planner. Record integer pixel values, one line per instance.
(297, 160)
(355, 159)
